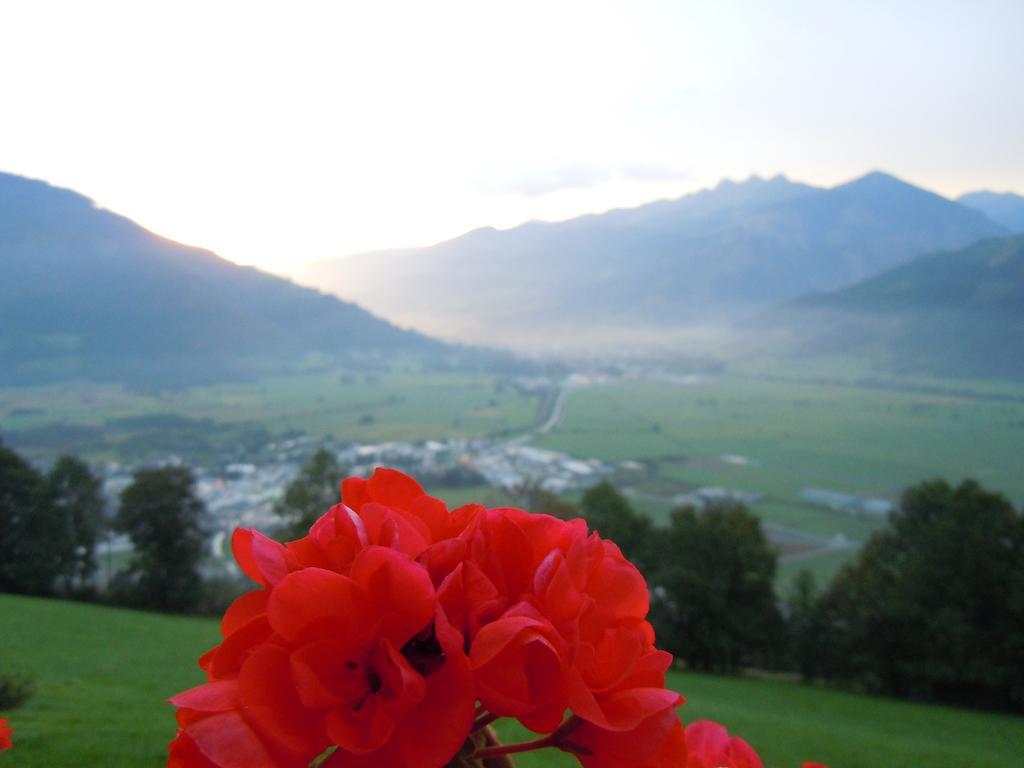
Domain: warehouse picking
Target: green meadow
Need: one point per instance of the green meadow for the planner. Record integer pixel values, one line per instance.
(796, 434)
(102, 676)
(775, 435)
(105, 421)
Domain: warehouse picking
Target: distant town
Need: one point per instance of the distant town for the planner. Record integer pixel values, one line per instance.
(243, 494)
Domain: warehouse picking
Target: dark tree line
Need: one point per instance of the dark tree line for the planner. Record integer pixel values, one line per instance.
(711, 575)
(51, 524)
(932, 608)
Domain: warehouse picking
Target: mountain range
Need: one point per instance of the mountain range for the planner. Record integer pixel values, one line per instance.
(955, 313)
(875, 267)
(87, 293)
(1004, 208)
(713, 257)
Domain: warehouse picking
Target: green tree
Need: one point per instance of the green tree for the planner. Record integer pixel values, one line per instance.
(165, 521)
(609, 513)
(715, 605)
(534, 498)
(73, 499)
(27, 564)
(933, 607)
(313, 491)
(805, 625)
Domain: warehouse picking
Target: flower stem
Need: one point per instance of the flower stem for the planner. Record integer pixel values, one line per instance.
(511, 749)
(483, 721)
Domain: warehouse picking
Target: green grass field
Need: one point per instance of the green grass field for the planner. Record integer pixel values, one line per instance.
(375, 407)
(103, 675)
(845, 433)
(854, 439)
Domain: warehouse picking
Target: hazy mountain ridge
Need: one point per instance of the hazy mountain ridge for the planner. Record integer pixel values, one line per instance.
(955, 313)
(88, 293)
(713, 256)
(1004, 208)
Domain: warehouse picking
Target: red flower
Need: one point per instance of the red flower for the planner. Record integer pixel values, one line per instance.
(5, 735)
(710, 746)
(373, 637)
(360, 662)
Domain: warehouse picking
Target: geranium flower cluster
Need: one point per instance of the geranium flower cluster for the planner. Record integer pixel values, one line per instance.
(396, 630)
(5, 735)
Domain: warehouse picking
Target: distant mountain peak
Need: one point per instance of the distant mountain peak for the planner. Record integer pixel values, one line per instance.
(1005, 208)
(716, 254)
(754, 180)
(877, 180)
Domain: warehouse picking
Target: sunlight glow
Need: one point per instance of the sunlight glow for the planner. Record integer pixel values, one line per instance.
(276, 133)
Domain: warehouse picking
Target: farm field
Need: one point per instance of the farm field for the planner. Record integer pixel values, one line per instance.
(774, 436)
(95, 420)
(102, 676)
(796, 434)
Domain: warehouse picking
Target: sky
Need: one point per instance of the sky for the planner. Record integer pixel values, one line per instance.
(277, 133)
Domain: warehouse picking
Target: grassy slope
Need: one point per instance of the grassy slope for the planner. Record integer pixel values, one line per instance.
(103, 675)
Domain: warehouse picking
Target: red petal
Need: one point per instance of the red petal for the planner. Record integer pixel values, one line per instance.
(626, 709)
(469, 597)
(354, 492)
(516, 666)
(228, 656)
(243, 610)
(182, 753)
(219, 696)
(434, 514)
(704, 737)
(321, 676)
(316, 603)
(396, 529)
(271, 703)
(393, 488)
(362, 731)
(262, 559)
(619, 585)
(399, 592)
(504, 553)
(226, 740)
(658, 742)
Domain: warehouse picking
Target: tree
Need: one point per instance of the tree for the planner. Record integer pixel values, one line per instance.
(609, 513)
(26, 564)
(73, 500)
(534, 498)
(805, 624)
(933, 607)
(310, 494)
(165, 521)
(715, 605)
